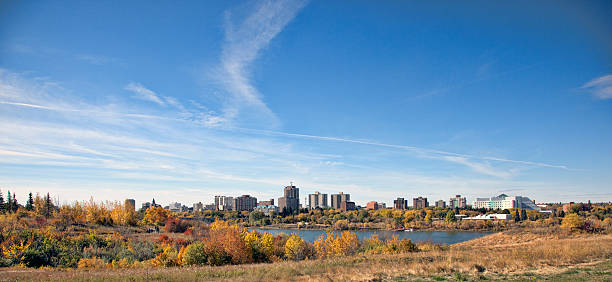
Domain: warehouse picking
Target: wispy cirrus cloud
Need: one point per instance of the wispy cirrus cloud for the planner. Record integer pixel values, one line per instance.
(144, 93)
(243, 43)
(600, 87)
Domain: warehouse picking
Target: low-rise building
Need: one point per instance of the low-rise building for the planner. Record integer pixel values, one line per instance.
(266, 203)
(494, 216)
(347, 206)
(197, 207)
(372, 206)
(175, 207)
(505, 202)
(267, 209)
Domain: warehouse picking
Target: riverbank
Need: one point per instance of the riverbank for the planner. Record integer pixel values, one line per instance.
(324, 227)
(512, 255)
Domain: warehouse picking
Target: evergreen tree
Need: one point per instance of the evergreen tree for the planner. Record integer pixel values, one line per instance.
(523, 214)
(48, 206)
(517, 217)
(30, 203)
(15, 205)
(9, 203)
(1, 202)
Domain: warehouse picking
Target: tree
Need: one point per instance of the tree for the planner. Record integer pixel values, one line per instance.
(572, 221)
(9, 203)
(523, 215)
(450, 216)
(156, 216)
(30, 203)
(255, 216)
(48, 206)
(295, 248)
(517, 217)
(2, 206)
(14, 204)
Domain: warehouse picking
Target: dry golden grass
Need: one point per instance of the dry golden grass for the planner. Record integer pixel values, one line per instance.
(500, 255)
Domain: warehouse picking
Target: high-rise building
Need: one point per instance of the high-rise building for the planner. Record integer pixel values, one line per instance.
(400, 204)
(505, 202)
(337, 199)
(130, 205)
(373, 205)
(440, 204)
(317, 200)
(224, 203)
(457, 202)
(290, 202)
(245, 203)
(419, 203)
(292, 192)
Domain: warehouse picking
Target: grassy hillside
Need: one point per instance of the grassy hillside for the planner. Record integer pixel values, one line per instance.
(524, 255)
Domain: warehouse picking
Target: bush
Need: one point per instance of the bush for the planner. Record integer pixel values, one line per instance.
(195, 254)
(296, 248)
(176, 225)
(92, 263)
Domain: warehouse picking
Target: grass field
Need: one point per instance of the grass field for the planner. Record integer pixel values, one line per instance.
(524, 255)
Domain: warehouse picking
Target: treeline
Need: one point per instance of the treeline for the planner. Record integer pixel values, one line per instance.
(219, 243)
(41, 205)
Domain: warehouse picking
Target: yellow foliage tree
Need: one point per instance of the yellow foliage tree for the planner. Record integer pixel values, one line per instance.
(156, 216)
(572, 221)
(295, 248)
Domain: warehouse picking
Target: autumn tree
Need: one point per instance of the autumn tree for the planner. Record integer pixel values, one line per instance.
(296, 248)
(450, 216)
(572, 221)
(156, 216)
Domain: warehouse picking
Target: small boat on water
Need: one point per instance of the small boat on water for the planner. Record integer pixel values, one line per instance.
(408, 230)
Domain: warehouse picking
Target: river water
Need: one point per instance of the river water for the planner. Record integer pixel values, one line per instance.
(438, 237)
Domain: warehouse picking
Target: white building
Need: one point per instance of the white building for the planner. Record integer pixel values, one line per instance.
(266, 209)
(499, 216)
(505, 202)
(175, 207)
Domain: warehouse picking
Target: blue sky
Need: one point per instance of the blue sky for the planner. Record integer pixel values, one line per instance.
(385, 99)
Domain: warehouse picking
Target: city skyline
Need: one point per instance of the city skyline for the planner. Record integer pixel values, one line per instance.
(380, 101)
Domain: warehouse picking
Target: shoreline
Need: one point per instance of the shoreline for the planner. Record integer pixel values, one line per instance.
(293, 228)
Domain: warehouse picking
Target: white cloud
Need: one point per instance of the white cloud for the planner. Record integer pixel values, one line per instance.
(144, 93)
(243, 44)
(600, 87)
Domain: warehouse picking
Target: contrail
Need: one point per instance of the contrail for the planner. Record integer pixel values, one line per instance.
(402, 147)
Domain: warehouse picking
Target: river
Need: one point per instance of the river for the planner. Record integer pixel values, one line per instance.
(438, 237)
